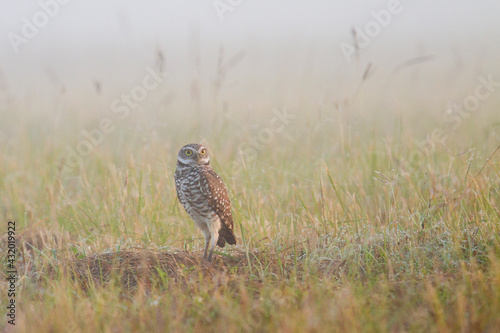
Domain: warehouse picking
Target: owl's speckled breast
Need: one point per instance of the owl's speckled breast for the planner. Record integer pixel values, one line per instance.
(187, 182)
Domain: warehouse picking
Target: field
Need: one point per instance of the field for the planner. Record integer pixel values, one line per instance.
(356, 208)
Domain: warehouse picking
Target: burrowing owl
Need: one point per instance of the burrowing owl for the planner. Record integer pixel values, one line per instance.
(204, 196)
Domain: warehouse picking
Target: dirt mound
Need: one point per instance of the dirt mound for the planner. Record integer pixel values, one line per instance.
(147, 267)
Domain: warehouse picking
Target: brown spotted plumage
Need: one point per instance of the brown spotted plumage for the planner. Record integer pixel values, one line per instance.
(204, 197)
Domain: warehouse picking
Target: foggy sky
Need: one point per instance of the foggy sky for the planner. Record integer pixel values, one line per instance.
(86, 39)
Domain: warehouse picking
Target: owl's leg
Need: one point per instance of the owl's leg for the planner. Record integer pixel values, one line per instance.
(213, 228)
(213, 242)
(207, 243)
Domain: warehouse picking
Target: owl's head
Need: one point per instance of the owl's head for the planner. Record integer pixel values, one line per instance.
(193, 154)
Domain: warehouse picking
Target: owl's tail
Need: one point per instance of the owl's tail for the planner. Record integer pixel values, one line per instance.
(226, 235)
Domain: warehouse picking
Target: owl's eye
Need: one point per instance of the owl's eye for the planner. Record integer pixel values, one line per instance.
(203, 152)
(189, 152)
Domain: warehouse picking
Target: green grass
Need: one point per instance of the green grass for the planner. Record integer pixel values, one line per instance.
(337, 231)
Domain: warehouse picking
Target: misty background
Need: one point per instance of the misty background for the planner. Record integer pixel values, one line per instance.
(257, 56)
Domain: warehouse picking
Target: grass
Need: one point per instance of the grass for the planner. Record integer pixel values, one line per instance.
(338, 229)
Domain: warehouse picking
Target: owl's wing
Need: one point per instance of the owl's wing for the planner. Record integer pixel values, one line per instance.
(215, 191)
